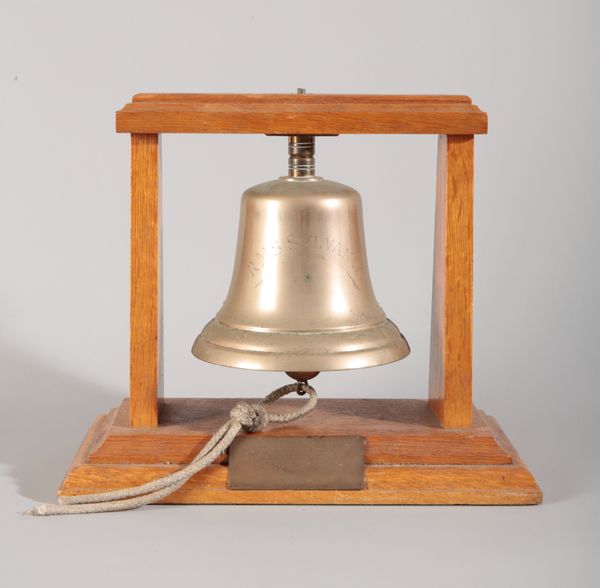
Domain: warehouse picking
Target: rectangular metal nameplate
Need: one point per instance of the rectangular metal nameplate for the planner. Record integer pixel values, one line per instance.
(296, 463)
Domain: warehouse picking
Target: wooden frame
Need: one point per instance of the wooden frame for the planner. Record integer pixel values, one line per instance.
(450, 372)
(460, 458)
(145, 386)
(452, 302)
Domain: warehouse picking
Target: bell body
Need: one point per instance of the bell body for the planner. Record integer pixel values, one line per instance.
(300, 297)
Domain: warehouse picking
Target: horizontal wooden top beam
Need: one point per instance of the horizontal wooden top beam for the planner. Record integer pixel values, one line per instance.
(310, 114)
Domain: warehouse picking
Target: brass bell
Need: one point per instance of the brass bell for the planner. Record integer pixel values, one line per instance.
(300, 298)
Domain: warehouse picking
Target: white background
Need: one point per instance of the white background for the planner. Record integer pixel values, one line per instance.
(67, 66)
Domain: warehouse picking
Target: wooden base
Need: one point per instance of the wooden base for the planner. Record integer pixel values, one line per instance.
(409, 457)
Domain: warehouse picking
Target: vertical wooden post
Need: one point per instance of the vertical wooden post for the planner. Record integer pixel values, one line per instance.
(451, 318)
(145, 384)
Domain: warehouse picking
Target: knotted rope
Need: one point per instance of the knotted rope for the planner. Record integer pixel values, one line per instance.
(244, 416)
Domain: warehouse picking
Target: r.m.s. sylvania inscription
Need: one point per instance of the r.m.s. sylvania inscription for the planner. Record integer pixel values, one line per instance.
(330, 248)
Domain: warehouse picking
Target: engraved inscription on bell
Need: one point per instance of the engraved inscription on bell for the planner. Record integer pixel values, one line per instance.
(328, 248)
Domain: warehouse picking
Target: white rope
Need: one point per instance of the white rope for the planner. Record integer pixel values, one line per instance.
(243, 416)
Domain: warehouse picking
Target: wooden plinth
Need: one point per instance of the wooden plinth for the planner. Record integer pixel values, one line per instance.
(409, 457)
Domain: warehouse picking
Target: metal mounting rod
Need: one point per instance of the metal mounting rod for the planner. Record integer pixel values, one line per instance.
(301, 150)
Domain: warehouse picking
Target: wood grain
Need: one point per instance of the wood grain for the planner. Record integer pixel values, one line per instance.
(146, 310)
(396, 431)
(286, 114)
(385, 484)
(451, 315)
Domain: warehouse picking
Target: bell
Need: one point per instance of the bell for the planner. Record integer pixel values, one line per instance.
(300, 298)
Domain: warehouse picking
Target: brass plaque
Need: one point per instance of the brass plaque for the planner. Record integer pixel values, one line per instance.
(296, 463)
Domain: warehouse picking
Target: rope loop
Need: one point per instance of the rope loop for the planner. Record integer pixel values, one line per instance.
(243, 416)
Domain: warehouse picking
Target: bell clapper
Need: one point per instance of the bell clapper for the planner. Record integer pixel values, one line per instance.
(302, 378)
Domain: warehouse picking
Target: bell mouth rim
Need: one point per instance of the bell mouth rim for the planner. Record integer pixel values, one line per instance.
(329, 351)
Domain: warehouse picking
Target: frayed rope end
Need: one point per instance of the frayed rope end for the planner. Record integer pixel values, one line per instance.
(39, 511)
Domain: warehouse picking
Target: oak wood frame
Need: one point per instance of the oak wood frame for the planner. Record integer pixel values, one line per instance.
(146, 353)
(458, 456)
(150, 114)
